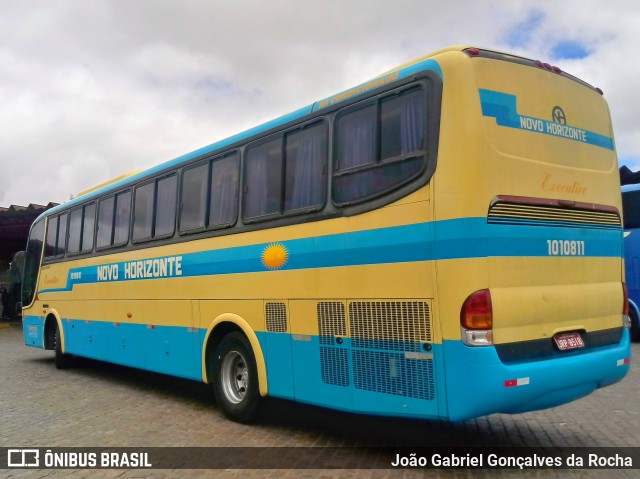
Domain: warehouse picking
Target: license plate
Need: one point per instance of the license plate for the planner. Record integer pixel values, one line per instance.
(567, 341)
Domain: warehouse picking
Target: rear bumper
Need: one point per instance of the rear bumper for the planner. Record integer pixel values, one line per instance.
(478, 383)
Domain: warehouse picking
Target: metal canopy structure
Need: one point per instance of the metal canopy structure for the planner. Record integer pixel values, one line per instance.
(15, 222)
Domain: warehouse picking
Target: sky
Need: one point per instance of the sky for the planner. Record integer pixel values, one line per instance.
(91, 89)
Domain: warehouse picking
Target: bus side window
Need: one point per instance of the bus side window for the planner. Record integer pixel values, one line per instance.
(225, 185)
(81, 229)
(380, 145)
(154, 211)
(263, 179)
(56, 237)
(306, 158)
(143, 212)
(52, 237)
(287, 174)
(193, 198)
(88, 227)
(165, 211)
(105, 222)
(75, 230)
(62, 235)
(114, 216)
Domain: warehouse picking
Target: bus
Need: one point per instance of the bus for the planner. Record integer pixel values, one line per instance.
(631, 215)
(443, 241)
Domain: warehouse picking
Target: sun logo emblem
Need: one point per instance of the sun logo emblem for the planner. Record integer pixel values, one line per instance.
(275, 256)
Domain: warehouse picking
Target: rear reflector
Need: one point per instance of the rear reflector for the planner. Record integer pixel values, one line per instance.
(511, 383)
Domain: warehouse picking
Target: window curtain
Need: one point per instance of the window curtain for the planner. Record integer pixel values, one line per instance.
(105, 222)
(306, 156)
(123, 217)
(356, 148)
(224, 191)
(412, 123)
(256, 183)
(166, 206)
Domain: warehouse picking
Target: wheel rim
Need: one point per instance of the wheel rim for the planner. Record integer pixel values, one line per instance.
(234, 377)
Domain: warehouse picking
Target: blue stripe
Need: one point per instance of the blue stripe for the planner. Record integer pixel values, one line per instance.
(503, 107)
(443, 240)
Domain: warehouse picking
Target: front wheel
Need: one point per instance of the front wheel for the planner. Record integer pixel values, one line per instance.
(236, 378)
(62, 361)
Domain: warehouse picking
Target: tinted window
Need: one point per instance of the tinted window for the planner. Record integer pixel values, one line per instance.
(52, 237)
(75, 230)
(165, 212)
(356, 138)
(306, 155)
(105, 223)
(143, 212)
(154, 213)
(380, 145)
(263, 180)
(225, 181)
(62, 235)
(123, 218)
(195, 182)
(88, 227)
(287, 173)
(32, 262)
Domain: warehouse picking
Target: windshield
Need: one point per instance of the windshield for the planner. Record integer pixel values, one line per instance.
(32, 262)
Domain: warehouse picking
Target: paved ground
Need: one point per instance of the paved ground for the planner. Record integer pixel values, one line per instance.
(101, 405)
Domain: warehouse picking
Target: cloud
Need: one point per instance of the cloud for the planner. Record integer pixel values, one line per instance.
(90, 90)
(520, 35)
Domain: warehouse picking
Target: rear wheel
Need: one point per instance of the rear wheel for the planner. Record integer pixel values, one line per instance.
(62, 361)
(236, 378)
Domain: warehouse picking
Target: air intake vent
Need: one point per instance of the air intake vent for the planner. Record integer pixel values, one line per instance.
(332, 321)
(538, 212)
(387, 339)
(276, 316)
(334, 357)
(392, 325)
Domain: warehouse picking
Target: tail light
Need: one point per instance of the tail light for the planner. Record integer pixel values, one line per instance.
(476, 319)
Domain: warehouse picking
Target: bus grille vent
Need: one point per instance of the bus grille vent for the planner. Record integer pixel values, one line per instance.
(331, 321)
(335, 366)
(393, 373)
(334, 359)
(276, 315)
(551, 215)
(391, 325)
(381, 335)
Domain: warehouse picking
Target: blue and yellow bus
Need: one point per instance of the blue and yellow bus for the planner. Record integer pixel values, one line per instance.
(631, 215)
(443, 241)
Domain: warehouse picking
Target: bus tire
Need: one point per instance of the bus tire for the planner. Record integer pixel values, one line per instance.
(236, 378)
(61, 360)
